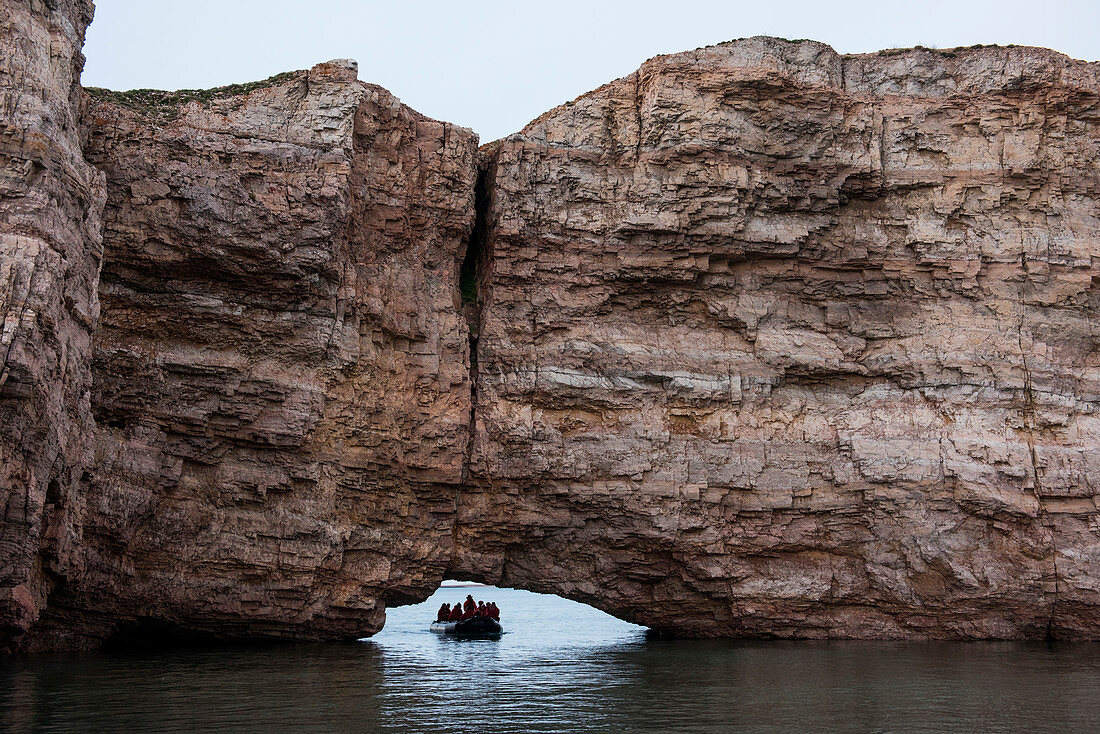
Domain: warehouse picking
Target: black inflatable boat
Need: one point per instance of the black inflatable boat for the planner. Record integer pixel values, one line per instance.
(474, 627)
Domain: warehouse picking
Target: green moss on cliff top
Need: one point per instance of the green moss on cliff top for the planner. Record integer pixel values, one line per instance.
(167, 104)
(948, 52)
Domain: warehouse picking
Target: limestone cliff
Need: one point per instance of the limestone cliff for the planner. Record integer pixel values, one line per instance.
(765, 340)
(781, 342)
(50, 205)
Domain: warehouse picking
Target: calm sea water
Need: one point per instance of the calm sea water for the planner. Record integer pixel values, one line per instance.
(560, 667)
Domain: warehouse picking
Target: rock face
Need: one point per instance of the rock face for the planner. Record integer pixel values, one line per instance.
(766, 341)
(50, 204)
(781, 342)
(281, 389)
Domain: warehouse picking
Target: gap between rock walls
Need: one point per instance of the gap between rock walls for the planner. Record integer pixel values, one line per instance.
(474, 273)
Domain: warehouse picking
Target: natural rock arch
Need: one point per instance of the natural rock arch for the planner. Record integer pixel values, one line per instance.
(765, 340)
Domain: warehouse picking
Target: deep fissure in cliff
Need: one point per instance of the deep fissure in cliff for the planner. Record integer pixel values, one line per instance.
(473, 275)
(468, 271)
(474, 268)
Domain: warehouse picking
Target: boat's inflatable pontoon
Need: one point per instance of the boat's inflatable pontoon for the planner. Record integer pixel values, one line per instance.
(475, 627)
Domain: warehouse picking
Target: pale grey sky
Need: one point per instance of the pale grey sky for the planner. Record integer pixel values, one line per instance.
(494, 66)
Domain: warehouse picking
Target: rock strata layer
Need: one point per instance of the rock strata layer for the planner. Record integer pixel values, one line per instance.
(51, 201)
(782, 342)
(282, 389)
(759, 340)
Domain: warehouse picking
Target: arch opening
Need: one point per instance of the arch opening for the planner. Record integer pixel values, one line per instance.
(528, 618)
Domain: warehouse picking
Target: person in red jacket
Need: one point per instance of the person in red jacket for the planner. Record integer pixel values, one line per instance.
(481, 610)
(469, 607)
(494, 611)
(444, 613)
(456, 613)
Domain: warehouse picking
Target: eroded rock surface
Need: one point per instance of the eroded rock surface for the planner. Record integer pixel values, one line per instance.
(781, 342)
(50, 204)
(281, 380)
(769, 341)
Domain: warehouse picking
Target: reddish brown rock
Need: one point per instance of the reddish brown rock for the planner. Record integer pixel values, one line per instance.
(50, 202)
(281, 382)
(780, 342)
(770, 341)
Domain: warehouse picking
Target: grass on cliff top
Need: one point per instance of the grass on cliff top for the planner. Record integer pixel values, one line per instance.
(948, 52)
(167, 104)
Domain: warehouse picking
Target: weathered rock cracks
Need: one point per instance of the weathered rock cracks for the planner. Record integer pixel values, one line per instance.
(51, 202)
(781, 342)
(759, 340)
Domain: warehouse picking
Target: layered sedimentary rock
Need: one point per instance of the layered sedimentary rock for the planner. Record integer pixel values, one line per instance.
(281, 370)
(780, 342)
(766, 341)
(50, 203)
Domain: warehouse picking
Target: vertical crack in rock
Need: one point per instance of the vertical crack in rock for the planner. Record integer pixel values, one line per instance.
(1044, 515)
(472, 291)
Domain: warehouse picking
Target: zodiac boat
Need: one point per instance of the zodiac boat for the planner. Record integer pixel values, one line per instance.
(473, 627)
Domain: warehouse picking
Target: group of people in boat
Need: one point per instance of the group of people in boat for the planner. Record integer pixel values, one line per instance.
(468, 610)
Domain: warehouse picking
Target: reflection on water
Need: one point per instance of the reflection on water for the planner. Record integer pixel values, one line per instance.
(560, 667)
